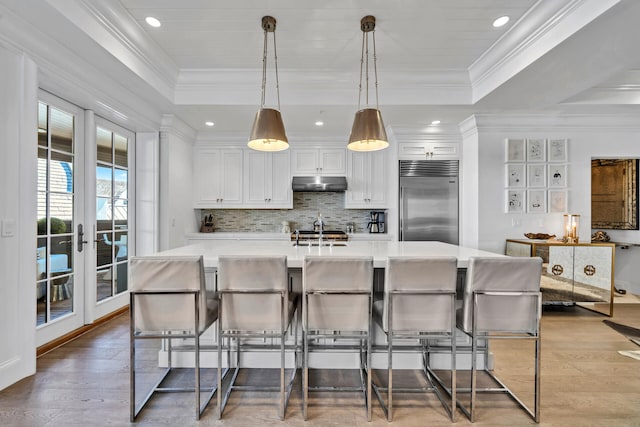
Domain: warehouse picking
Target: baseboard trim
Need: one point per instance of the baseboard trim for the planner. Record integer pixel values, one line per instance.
(51, 345)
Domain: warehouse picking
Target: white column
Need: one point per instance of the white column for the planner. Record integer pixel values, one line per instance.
(18, 175)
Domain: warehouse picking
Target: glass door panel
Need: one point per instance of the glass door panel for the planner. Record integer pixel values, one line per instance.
(112, 214)
(55, 260)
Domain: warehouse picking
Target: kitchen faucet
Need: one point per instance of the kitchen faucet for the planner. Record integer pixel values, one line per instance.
(320, 225)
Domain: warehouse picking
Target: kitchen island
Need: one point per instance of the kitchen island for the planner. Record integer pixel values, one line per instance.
(379, 250)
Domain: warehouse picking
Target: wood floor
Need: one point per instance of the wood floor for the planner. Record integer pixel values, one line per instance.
(585, 382)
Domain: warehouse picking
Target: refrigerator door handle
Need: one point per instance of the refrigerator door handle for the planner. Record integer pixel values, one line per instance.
(401, 213)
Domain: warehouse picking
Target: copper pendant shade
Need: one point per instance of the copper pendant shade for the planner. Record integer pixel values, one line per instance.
(267, 133)
(367, 132)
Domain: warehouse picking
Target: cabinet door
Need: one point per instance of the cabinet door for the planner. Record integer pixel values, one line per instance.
(366, 179)
(356, 194)
(377, 179)
(281, 196)
(593, 273)
(256, 185)
(428, 151)
(206, 178)
(332, 162)
(305, 162)
(267, 180)
(230, 176)
(557, 273)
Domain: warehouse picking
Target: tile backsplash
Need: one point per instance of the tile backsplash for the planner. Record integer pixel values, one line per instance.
(305, 210)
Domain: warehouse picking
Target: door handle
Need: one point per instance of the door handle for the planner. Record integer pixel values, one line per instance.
(81, 241)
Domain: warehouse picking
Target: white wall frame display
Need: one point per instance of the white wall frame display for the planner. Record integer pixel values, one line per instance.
(557, 201)
(557, 176)
(536, 150)
(536, 201)
(557, 150)
(515, 150)
(515, 175)
(515, 201)
(536, 175)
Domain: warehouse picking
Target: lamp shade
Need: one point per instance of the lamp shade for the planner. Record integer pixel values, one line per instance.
(268, 132)
(367, 133)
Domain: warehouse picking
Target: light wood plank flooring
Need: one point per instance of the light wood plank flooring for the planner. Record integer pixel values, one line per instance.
(585, 382)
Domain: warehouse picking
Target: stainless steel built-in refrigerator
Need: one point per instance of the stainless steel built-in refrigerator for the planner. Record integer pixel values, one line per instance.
(429, 200)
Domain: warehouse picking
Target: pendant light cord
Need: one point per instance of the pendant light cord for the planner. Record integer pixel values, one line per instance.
(264, 69)
(275, 58)
(361, 68)
(375, 66)
(364, 68)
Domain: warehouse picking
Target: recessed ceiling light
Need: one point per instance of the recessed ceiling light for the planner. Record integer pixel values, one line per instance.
(319, 123)
(500, 21)
(154, 22)
(435, 122)
(210, 124)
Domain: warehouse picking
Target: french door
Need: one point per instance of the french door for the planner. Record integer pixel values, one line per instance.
(111, 192)
(60, 207)
(84, 230)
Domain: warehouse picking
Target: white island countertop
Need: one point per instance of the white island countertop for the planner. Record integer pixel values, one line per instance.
(379, 250)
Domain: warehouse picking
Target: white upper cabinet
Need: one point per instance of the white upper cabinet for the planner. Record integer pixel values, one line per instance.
(217, 177)
(267, 183)
(428, 151)
(366, 180)
(318, 161)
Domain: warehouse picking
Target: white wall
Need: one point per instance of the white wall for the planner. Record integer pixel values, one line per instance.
(177, 216)
(589, 137)
(18, 165)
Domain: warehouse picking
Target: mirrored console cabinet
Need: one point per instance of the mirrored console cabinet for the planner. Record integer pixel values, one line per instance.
(572, 274)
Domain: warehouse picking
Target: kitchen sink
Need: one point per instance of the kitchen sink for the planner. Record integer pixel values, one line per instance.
(303, 244)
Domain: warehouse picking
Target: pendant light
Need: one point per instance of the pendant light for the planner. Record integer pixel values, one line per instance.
(268, 132)
(367, 132)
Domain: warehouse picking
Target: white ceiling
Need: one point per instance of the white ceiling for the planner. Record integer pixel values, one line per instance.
(437, 59)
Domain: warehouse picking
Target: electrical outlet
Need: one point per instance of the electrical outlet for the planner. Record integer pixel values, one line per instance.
(515, 222)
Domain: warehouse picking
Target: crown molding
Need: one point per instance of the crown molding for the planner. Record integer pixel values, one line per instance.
(543, 27)
(109, 24)
(173, 125)
(550, 122)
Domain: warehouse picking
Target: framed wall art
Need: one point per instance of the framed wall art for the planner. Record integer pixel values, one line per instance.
(557, 201)
(515, 200)
(536, 175)
(537, 201)
(536, 150)
(515, 175)
(515, 150)
(557, 150)
(557, 176)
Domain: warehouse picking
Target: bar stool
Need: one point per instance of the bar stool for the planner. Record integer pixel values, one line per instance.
(255, 302)
(168, 300)
(337, 301)
(419, 303)
(501, 300)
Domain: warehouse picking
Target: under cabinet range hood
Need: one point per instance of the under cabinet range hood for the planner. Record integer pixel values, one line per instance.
(319, 183)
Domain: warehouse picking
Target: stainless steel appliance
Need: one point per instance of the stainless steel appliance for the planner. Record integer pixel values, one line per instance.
(313, 238)
(377, 223)
(319, 183)
(429, 200)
